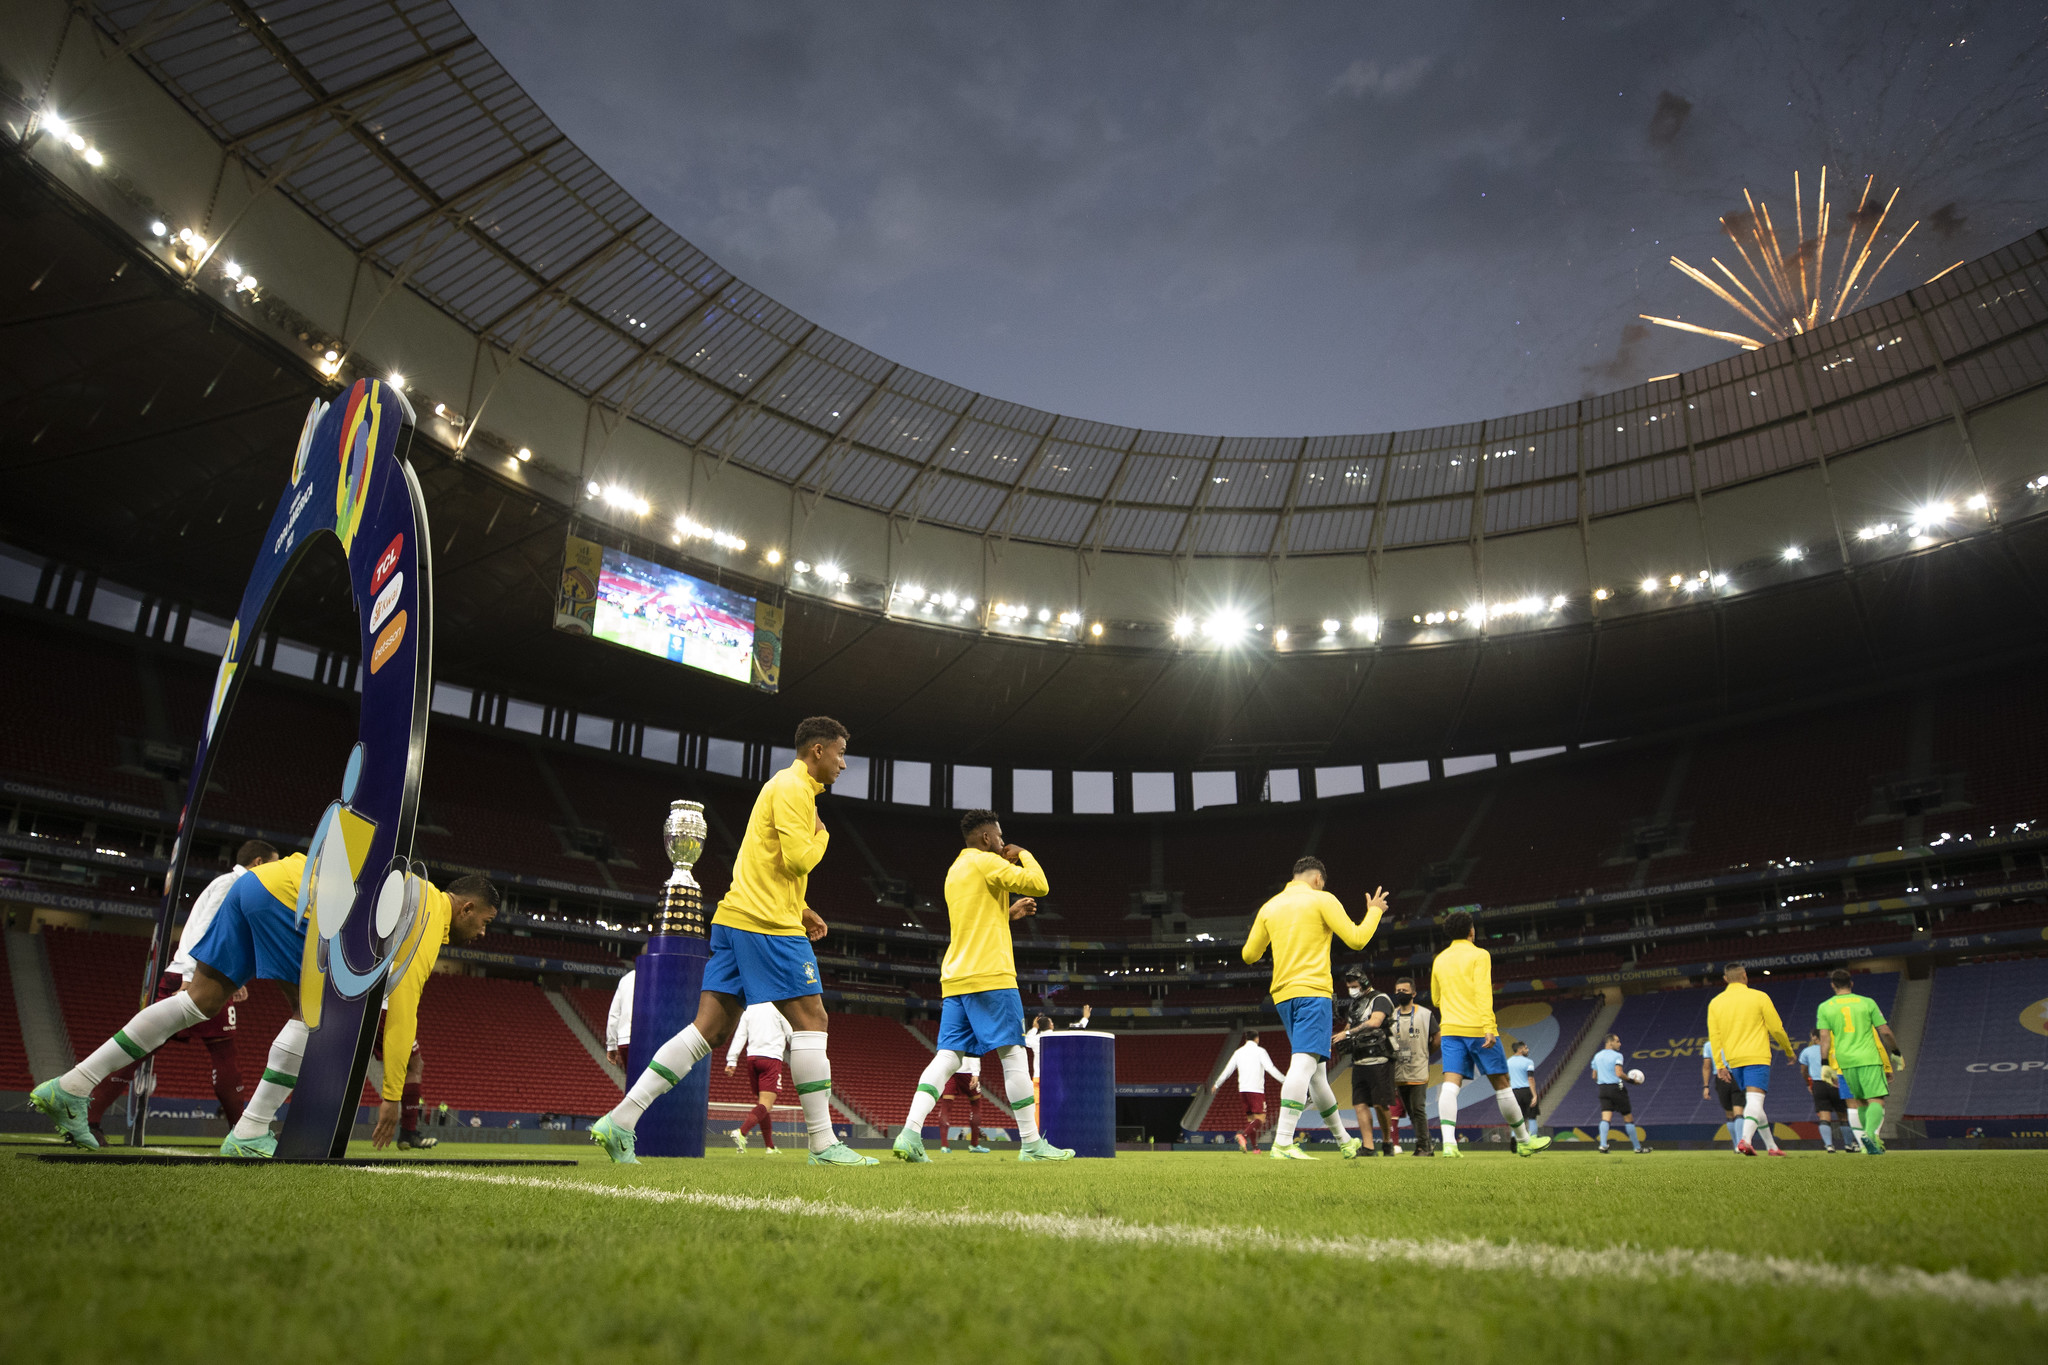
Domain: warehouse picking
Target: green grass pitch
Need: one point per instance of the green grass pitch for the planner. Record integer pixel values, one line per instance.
(1146, 1258)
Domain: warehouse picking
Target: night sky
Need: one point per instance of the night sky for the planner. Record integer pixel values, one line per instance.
(1282, 219)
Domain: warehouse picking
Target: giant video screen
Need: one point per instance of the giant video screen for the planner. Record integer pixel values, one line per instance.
(670, 614)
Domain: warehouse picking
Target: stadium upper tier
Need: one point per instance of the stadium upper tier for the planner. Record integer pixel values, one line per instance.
(394, 127)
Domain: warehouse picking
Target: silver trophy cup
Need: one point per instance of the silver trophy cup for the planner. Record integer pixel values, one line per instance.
(682, 900)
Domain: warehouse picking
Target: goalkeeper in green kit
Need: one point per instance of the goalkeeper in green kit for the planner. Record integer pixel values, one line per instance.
(1855, 1037)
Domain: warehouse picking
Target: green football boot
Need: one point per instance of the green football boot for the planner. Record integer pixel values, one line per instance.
(1288, 1151)
(67, 1111)
(1532, 1146)
(1871, 1145)
(1352, 1148)
(263, 1148)
(1449, 1149)
(616, 1141)
(1038, 1149)
(909, 1146)
(839, 1154)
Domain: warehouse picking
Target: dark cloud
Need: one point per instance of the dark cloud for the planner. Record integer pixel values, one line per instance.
(1251, 218)
(1667, 120)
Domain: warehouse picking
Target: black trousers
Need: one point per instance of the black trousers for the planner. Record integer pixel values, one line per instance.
(1416, 1099)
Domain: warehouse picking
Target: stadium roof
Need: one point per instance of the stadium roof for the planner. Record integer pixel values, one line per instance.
(391, 123)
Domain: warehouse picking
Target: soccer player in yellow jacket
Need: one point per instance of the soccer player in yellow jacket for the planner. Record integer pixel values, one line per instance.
(1741, 1026)
(761, 940)
(1461, 988)
(1298, 925)
(990, 886)
(257, 933)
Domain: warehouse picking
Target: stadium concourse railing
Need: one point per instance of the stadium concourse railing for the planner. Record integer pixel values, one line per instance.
(63, 895)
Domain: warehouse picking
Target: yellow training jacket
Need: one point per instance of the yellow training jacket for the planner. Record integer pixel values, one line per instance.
(781, 846)
(1298, 924)
(402, 1019)
(402, 1005)
(1461, 988)
(1741, 1026)
(978, 890)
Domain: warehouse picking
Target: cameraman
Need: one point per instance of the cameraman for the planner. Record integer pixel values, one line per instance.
(1364, 1036)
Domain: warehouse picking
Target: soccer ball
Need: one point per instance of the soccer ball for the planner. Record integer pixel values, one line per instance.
(1635, 1077)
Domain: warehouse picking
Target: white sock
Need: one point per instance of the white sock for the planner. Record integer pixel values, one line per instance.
(149, 1030)
(1856, 1128)
(1293, 1097)
(280, 1075)
(930, 1086)
(1447, 1112)
(665, 1071)
(1770, 1138)
(812, 1073)
(1511, 1110)
(1326, 1101)
(1023, 1104)
(1752, 1116)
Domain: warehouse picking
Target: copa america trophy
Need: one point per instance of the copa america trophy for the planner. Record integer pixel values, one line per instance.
(667, 979)
(682, 900)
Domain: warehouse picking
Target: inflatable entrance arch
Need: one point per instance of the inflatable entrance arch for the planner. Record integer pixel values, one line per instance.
(349, 480)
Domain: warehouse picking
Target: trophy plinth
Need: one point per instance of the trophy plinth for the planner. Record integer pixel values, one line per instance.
(682, 900)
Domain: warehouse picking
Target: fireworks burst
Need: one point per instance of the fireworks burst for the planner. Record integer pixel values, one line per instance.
(1795, 293)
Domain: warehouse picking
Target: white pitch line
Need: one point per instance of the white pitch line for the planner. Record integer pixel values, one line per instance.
(1622, 1262)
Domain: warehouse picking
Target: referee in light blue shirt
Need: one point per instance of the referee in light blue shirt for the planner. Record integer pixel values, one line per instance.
(1607, 1070)
(1522, 1080)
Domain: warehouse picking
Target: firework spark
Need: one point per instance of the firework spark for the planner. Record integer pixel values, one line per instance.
(1785, 295)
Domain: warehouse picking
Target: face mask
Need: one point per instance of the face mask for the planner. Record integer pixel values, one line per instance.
(1404, 997)
(1355, 992)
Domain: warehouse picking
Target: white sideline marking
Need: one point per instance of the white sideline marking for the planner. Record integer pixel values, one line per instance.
(1622, 1262)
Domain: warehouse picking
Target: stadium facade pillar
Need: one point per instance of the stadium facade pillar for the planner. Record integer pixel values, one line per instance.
(1077, 1090)
(668, 977)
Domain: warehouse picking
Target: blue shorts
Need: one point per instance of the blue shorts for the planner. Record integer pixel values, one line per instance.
(253, 935)
(1755, 1077)
(1307, 1019)
(761, 968)
(1466, 1057)
(1842, 1086)
(981, 1021)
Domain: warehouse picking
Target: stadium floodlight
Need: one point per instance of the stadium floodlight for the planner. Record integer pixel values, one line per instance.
(949, 600)
(234, 270)
(1044, 614)
(1692, 585)
(1279, 635)
(967, 604)
(1183, 626)
(396, 381)
(1557, 602)
(55, 126)
(75, 143)
(592, 489)
(1649, 585)
(773, 556)
(1935, 513)
(802, 567)
(1330, 627)
(1720, 580)
(525, 453)
(1601, 594)
(1096, 630)
(1225, 627)
(625, 500)
(1978, 503)
(914, 592)
(1793, 554)
(1677, 579)
(157, 228)
(93, 158)
(829, 572)
(1365, 625)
